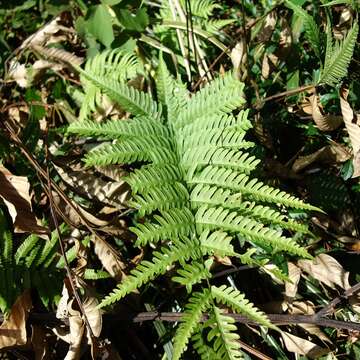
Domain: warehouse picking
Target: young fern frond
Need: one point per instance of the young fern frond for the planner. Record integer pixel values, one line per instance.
(194, 191)
(312, 31)
(338, 57)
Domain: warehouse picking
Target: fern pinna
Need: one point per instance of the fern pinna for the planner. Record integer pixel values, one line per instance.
(194, 192)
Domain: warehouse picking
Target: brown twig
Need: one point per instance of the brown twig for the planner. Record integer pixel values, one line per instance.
(127, 318)
(330, 307)
(62, 249)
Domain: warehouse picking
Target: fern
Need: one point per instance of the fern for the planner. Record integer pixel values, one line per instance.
(311, 29)
(194, 192)
(223, 333)
(338, 56)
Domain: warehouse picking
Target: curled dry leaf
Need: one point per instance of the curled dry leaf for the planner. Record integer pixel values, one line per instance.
(239, 58)
(59, 55)
(333, 153)
(327, 270)
(114, 193)
(308, 308)
(44, 34)
(323, 122)
(294, 275)
(109, 258)
(352, 121)
(18, 72)
(15, 192)
(301, 346)
(73, 216)
(13, 329)
(268, 27)
(67, 309)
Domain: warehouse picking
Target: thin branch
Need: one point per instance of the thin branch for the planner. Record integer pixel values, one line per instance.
(62, 249)
(330, 307)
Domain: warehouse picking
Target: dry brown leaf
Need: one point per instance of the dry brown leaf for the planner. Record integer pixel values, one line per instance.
(301, 346)
(77, 327)
(13, 329)
(334, 153)
(59, 55)
(239, 58)
(351, 123)
(108, 192)
(73, 216)
(44, 34)
(268, 27)
(308, 308)
(323, 122)
(18, 72)
(15, 192)
(74, 337)
(109, 258)
(327, 270)
(294, 275)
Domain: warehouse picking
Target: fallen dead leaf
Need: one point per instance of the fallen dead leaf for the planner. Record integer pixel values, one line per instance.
(109, 258)
(308, 308)
(327, 270)
(333, 153)
(301, 346)
(239, 58)
(13, 329)
(352, 122)
(15, 192)
(294, 275)
(324, 122)
(114, 193)
(268, 27)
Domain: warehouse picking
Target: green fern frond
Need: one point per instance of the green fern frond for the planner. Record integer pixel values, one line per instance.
(250, 189)
(312, 31)
(224, 335)
(150, 176)
(171, 224)
(191, 274)
(217, 156)
(115, 129)
(338, 57)
(239, 304)
(202, 8)
(132, 150)
(220, 218)
(172, 94)
(201, 346)
(198, 304)
(116, 64)
(217, 243)
(26, 246)
(148, 270)
(164, 198)
(129, 98)
(221, 96)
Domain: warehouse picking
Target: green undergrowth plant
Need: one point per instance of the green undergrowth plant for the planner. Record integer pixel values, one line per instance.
(34, 263)
(195, 196)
